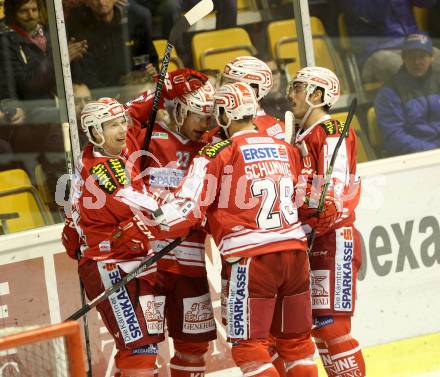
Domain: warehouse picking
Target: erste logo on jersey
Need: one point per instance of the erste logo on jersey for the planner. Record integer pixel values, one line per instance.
(274, 130)
(264, 152)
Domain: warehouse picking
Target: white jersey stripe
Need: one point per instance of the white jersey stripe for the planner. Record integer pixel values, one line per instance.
(229, 237)
(259, 239)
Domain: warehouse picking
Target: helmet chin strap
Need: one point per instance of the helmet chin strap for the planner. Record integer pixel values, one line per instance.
(310, 91)
(92, 138)
(305, 117)
(179, 123)
(226, 127)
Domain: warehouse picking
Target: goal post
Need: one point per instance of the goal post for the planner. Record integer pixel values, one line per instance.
(70, 352)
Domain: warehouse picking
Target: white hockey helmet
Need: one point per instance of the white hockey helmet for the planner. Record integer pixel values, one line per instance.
(237, 100)
(252, 71)
(95, 113)
(200, 101)
(319, 77)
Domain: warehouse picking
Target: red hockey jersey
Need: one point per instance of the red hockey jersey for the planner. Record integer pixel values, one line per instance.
(171, 155)
(269, 125)
(316, 145)
(242, 190)
(95, 210)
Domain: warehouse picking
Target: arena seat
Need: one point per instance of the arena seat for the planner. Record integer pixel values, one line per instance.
(283, 44)
(351, 60)
(41, 184)
(243, 5)
(421, 16)
(175, 62)
(277, 30)
(364, 150)
(373, 129)
(344, 38)
(229, 44)
(21, 206)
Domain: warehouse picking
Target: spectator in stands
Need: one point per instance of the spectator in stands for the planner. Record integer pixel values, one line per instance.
(82, 95)
(11, 112)
(408, 106)
(383, 26)
(26, 55)
(434, 24)
(118, 40)
(168, 10)
(327, 12)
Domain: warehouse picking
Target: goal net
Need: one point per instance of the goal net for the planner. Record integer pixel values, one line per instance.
(48, 351)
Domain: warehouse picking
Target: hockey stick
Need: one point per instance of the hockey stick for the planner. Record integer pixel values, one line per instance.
(328, 176)
(289, 124)
(195, 14)
(127, 278)
(69, 165)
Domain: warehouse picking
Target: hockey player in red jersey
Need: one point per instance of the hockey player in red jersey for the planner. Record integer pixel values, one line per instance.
(182, 278)
(335, 256)
(258, 75)
(241, 190)
(113, 241)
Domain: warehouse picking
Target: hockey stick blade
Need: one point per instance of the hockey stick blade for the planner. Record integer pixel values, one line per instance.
(127, 278)
(200, 10)
(196, 13)
(289, 124)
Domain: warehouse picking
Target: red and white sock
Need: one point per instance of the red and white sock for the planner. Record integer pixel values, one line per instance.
(302, 368)
(264, 370)
(326, 358)
(185, 368)
(279, 365)
(347, 358)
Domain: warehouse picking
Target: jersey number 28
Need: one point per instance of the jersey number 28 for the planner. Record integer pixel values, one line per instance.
(282, 190)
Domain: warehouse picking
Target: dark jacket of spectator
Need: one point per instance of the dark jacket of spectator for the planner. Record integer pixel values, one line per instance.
(408, 113)
(28, 69)
(434, 24)
(111, 46)
(385, 22)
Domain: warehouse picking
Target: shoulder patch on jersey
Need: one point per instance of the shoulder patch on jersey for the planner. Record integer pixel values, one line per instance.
(118, 168)
(332, 126)
(213, 150)
(159, 135)
(103, 174)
